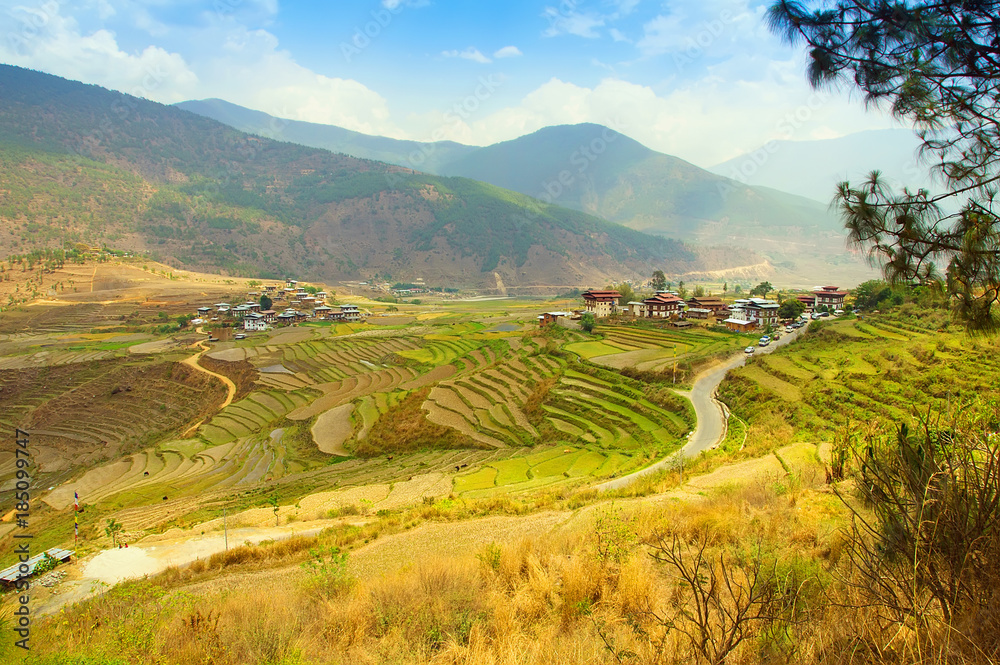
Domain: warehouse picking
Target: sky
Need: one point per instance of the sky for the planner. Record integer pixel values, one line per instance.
(700, 79)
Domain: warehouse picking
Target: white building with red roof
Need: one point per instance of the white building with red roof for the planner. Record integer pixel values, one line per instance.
(601, 303)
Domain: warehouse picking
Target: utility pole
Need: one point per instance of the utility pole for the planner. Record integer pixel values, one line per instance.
(674, 380)
(225, 528)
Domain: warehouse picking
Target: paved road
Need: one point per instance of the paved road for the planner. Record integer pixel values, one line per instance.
(710, 414)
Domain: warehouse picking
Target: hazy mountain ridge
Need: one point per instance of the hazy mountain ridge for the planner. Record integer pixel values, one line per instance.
(206, 196)
(813, 168)
(594, 169)
(411, 154)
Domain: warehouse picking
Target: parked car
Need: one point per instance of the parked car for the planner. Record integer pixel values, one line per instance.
(789, 328)
(838, 312)
(816, 315)
(764, 341)
(239, 336)
(749, 349)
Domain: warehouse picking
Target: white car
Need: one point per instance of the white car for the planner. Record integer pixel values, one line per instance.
(749, 349)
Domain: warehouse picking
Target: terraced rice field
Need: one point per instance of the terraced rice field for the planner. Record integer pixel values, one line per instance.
(885, 369)
(541, 417)
(653, 349)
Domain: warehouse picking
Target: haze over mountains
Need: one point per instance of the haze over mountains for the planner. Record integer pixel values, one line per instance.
(80, 163)
(594, 169)
(813, 168)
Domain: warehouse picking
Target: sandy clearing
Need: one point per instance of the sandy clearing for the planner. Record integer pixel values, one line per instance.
(333, 428)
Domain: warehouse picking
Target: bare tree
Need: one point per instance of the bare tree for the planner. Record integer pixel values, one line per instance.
(724, 600)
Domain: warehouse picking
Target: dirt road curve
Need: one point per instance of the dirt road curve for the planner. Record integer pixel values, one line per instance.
(710, 414)
(193, 363)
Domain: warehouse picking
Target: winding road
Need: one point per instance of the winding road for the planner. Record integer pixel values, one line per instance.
(192, 362)
(710, 413)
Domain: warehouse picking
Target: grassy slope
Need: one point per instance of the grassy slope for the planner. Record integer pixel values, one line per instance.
(889, 367)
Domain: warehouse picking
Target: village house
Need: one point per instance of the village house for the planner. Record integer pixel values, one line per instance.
(807, 299)
(254, 322)
(601, 303)
(746, 315)
(662, 306)
(711, 303)
(829, 296)
(350, 313)
(548, 318)
(322, 312)
(698, 313)
(269, 315)
(636, 308)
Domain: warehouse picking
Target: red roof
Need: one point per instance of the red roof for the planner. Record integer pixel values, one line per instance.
(662, 299)
(601, 295)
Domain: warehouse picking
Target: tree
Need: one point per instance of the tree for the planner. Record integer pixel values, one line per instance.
(699, 291)
(273, 502)
(588, 321)
(626, 291)
(762, 289)
(935, 65)
(725, 287)
(869, 295)
(791, 308)
(265, 302)
(681, 291)
(925, 504)
(659, 280)
(112, 529)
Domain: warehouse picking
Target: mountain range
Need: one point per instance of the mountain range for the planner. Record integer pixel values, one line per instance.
(600, 171)
(813, 168)
(79, 163)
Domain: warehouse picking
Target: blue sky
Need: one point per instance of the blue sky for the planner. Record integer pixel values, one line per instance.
(700, 79)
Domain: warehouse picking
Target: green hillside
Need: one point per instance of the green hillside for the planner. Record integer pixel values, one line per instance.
(83, 164)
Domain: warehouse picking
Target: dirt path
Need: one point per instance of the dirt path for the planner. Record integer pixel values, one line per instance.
(193, 363)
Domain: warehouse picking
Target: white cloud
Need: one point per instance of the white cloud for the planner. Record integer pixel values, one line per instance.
(619, 36)
(705, 122)
(508, 52)
(413, 4)
(243, 66)
(48, 41)
(470, 53)
(565, 19)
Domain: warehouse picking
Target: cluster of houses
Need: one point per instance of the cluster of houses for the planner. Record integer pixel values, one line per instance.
(743, 315)
(303, 306)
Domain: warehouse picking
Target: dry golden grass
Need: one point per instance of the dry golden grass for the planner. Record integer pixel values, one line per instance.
(588, 593)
